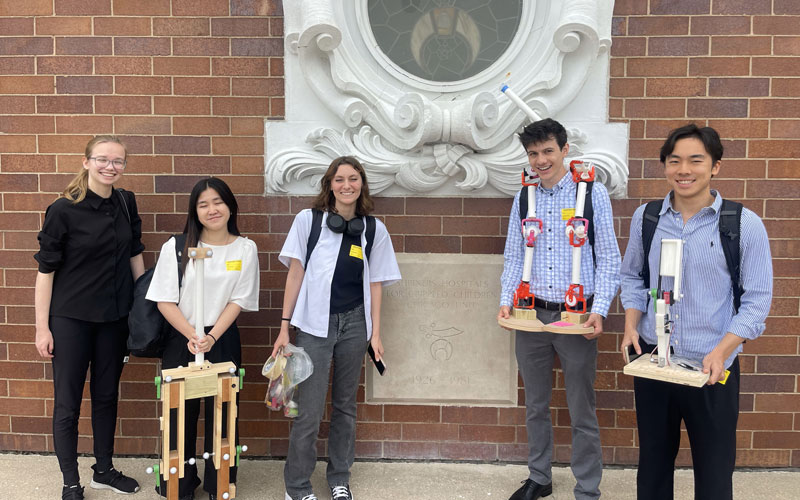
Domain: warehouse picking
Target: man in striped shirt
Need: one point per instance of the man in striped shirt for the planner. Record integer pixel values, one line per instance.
(707, 330)
(545, 143)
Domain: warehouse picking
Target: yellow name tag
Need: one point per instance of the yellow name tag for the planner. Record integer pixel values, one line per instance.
(567, 213)
(725, 377)
(355, 251)
(233, 265)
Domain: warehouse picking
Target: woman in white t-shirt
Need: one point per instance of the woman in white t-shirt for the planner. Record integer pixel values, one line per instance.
(230, 286)
(333, 298)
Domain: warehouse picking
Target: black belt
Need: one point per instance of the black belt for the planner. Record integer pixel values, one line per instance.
(558, 306)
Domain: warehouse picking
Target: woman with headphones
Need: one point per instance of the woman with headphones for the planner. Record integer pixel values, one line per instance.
(333, 299)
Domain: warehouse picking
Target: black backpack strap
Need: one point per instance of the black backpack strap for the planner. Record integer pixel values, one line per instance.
(313, 236)
(523, 203)
(180, 241)
(124, 204)
(649, 224)
(370, 234)
(588, 214)
(730, 219)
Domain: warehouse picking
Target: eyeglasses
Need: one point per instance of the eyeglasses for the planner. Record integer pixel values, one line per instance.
(102, 162)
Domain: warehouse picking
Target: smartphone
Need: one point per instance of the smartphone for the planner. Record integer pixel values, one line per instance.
(379, 364)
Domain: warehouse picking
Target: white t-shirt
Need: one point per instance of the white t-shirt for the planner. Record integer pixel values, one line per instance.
(231, 275)
(313, 305)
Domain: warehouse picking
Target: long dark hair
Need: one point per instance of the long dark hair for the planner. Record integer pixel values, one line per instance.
(193, 226)
(325, 200)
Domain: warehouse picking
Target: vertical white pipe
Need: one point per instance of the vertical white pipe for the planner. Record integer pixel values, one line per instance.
(199, 322)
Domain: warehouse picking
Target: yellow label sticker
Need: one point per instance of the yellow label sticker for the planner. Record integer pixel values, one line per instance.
(567, 213)
(355, 251)
(725, 377)
(233, 265)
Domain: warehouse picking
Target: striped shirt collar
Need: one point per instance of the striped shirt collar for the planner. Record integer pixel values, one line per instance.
(715, 206)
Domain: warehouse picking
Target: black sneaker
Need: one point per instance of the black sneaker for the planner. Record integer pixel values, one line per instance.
(341, 493)
(113, 480)
(74, 492)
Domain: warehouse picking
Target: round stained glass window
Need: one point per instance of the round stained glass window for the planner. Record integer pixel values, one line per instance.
(444, 40)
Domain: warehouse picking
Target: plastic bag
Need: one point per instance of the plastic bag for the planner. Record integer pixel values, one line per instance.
(285, 373)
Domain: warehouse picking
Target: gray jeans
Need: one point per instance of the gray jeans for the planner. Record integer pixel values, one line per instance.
(345, 345)
(535, 355)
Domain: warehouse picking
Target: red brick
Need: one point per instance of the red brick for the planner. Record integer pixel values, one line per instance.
(656, 66)
(787, 129)
(276, 66)
(785, 7)
(724, 7)
(240, 66)
(200, 126)
(778, 209)
(182, 145)
(247, 126)
(64, 26)
(27, 125)
(277, 107)
(738, 87)
(240, 106)
(201, 46)
(772, 188)
(26, 85)
(741, 129)
(14, 26)
(719, 66)
(123, 105)
(26, 46)
(628, 7)
(64, 104)
(63, 143)
(78, 45)
(786, 169)
(677, 46)
(28, 8)
(238, 145)
(774, 108)
(199, 8)
(84, 124)
(410, 413)
(123, 65)
(626, 87)
(629, 46)
(239, 27)
(483, 245)
(721, 25)
(680, 6)
(717, 108)
(655, 25)
(487, 433)
(258, 86)
(82, 7)
(787, 45)
(776, 25)
(202, 86)
(772, 439)
(16, 65)
(468, 451)
(182, 105)
(64, 65)
(257, 47)
(141, 46)
(181, 26)
(142, 125)
(430, 432)
(776, 66)
(26, 163)
(740, 45)
(207, 165)
(141, 7)
(676, 87)
(663, 108)
(122, 26)
(276, 27)
(469, 415)
(786, 87)
(181, 66)
(256, 8)
(84, 85)
(143, 85)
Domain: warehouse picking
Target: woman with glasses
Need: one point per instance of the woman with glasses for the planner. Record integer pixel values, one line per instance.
(333, 298)
(230, 285)
(90, 254)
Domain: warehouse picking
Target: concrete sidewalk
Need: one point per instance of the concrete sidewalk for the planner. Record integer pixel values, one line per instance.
(36, 477)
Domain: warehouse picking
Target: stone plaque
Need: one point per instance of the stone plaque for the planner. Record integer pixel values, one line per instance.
(439, 329)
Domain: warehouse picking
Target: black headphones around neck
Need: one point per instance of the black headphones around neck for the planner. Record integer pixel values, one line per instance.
(352, 227)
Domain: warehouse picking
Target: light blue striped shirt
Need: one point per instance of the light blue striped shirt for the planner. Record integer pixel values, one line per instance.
(705, 314)
(552, 258)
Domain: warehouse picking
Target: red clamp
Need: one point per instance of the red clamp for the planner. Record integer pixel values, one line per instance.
(574, 299)
(573, 224)
(530, 235)
(523, 297)
(530, 177)
(582, 173)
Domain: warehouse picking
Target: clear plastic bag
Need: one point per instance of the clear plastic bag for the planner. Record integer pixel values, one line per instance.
(285, 373)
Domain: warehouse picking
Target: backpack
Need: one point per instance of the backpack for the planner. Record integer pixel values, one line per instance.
(588, 212)
(316, 229)
(730, 217)
(148, 330)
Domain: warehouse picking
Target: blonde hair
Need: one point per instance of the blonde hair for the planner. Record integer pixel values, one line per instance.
(79, 185)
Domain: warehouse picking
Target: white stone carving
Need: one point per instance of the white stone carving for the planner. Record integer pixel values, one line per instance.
(344, 96)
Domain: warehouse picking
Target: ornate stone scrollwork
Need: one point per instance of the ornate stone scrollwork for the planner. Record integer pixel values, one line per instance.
(345, 96)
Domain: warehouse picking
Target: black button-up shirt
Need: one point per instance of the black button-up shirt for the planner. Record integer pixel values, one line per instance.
(89, 246)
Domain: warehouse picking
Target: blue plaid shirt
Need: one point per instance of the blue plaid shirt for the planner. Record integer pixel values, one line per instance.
(552, 256)
(705, 314)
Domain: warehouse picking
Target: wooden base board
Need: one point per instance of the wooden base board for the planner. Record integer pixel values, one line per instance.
(526, 325)
(642, 367)
(570, 324)
(525, 314)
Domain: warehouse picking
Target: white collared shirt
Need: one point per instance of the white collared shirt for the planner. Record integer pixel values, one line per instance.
(313, 305)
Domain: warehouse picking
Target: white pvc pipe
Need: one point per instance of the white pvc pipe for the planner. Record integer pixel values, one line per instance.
(528, 265)
(199, 323)
(580, 200)
(529, 112)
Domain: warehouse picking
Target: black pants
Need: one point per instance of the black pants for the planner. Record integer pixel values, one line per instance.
(710, 414)
(77, 346)
(228, 348)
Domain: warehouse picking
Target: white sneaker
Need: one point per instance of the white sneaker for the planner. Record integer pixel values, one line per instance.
(307, 497)
(341, 493)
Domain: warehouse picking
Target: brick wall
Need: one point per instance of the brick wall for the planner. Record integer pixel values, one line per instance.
(188, 83)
